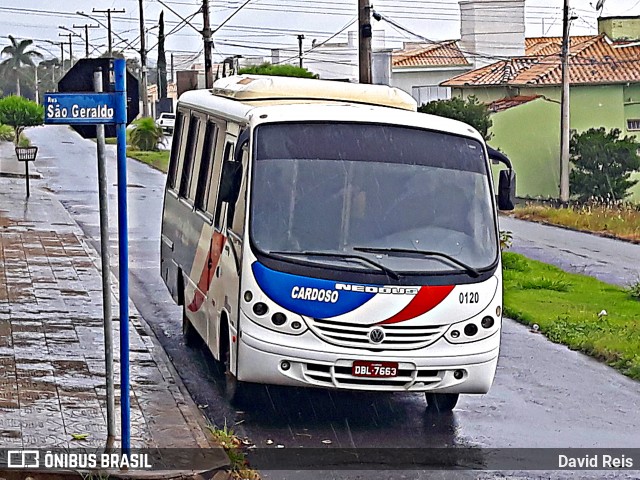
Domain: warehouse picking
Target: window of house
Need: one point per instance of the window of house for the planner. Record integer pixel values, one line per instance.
(633, 125)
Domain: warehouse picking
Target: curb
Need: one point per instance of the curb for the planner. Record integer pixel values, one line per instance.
(573, 229)
(34, 175)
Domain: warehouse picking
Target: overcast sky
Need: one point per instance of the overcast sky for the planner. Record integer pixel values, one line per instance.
(265, 24)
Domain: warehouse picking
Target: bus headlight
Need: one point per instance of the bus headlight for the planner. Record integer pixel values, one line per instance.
(262, 311)
(473, 330)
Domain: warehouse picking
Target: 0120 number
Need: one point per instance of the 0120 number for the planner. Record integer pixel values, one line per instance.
(469, 297)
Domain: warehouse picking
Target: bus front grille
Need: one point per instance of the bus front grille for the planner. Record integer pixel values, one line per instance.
(396, 336)
(340, 375)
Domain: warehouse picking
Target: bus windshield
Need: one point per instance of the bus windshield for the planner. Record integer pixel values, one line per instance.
(374, 190)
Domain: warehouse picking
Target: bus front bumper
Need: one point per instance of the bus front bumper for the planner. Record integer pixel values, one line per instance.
(263, 362)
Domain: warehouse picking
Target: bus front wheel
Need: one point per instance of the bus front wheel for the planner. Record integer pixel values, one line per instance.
(441, 402)
(233, 388)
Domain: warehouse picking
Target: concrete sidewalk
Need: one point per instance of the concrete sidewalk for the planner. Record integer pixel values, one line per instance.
(52, 370)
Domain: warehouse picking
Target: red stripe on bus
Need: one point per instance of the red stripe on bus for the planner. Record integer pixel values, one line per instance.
(208, 270)
(426, 299)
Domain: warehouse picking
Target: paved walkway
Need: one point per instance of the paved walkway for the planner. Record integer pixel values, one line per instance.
(52, 371)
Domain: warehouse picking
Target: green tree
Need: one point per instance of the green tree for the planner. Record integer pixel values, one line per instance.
(278, 71)
(602, 164)
(18, 58)
(18, 112)
(471, 112)
(145, 134)
(49, 72)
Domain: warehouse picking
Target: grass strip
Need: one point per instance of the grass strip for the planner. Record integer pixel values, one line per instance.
(234, 448)
(568, 308)
(619, 221)
(158, 160)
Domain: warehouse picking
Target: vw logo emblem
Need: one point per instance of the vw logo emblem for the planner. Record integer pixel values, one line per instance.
(376, 335)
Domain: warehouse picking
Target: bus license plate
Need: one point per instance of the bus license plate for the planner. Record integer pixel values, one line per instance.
(363, 368)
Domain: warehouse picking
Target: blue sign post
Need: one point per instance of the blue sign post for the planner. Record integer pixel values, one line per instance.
(87, 108)
(123, 248)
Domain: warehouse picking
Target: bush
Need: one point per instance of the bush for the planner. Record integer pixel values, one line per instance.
(145, 134)
(7, 133)
(602, 164)
(278, 71)
(471, 112)
(18, 112)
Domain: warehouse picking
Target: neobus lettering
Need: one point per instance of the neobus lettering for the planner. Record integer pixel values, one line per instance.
(372, 289)
(306, 293)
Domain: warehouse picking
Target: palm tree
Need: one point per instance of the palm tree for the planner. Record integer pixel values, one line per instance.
(19, 57)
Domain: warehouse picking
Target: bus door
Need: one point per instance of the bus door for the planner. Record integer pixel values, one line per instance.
(219, 272)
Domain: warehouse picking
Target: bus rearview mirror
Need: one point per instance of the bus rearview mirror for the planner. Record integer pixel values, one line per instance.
(507, 190)
(230, 181)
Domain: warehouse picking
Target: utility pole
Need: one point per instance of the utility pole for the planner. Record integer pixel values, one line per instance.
(364, 40)
(109, 11)
(62, 59)
(564, 109)
(70, 46)
(143, 62)
(86, 27)
(173, 79)
(208, 45)
(300, 38)
(36, 84)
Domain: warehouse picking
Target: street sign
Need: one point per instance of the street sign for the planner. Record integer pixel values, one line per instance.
(79, 109)
(80, 79)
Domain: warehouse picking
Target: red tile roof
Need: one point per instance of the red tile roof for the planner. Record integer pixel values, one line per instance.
(593, 60)
(430, 55)
(506, 103)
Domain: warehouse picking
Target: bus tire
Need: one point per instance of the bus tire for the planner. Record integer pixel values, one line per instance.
(189, 333)
(441, 402)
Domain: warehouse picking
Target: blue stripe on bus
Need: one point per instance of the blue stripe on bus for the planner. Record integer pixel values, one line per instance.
(300, 294)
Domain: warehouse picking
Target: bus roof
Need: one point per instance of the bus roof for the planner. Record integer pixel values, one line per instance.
(261, 89)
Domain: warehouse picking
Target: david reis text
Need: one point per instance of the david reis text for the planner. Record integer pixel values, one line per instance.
(594, 461)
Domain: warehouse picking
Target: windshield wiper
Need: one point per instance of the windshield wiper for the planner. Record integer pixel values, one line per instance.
(345, 256)
(472, 271)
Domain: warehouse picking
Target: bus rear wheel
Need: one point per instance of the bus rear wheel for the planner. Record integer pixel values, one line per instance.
(441, 402)
(189, 333)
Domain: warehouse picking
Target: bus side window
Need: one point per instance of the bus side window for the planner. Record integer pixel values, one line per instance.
(236, 212)
(216, 170)
(187, 164)
(228, 155)
(197, 166)
(177, 149)
(206, 163)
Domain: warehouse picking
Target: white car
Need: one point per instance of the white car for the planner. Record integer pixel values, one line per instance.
(167, 121)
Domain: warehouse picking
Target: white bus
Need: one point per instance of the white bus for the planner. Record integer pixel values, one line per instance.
(325, 234)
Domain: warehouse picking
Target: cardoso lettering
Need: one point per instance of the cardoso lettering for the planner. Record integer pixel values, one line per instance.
(371, 289)
(315, 294)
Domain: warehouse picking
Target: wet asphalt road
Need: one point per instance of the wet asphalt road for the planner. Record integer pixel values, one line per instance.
(544, 395)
